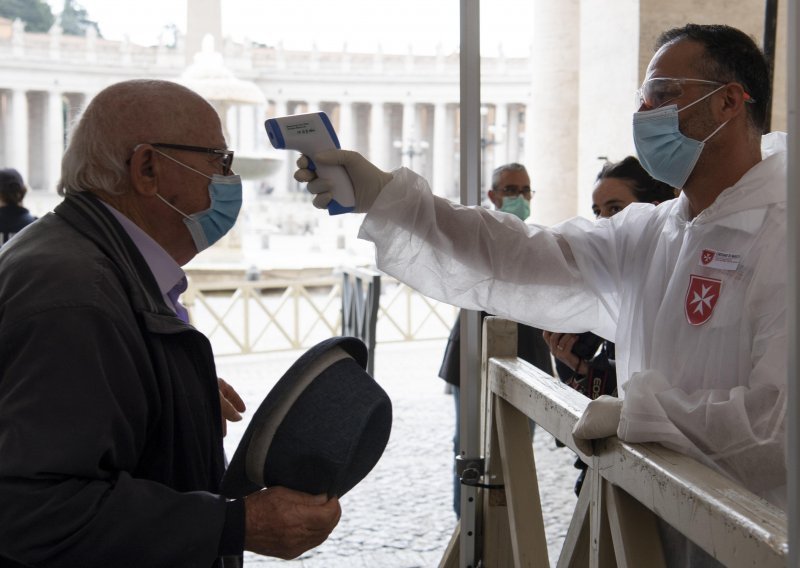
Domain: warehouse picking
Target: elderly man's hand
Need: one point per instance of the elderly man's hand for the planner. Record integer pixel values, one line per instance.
(599, 420)
(368, 181)
(284, 523)
(230, 403)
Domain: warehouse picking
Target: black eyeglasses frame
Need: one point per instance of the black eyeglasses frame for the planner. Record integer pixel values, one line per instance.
(226, 155)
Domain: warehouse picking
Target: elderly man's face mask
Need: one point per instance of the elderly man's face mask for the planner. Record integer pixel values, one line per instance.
(210, 225)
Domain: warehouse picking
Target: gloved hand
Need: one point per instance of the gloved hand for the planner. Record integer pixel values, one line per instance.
(368, 181)
(599, 420)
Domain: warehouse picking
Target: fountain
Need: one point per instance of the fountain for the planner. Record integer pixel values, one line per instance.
(230, 96)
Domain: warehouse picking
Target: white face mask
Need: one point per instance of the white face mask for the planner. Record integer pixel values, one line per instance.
(210, 225)
(665, 152)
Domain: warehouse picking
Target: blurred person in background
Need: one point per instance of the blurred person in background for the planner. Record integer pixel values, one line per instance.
(13, 216)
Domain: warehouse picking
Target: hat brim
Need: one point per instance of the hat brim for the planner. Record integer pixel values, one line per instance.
(320, 429)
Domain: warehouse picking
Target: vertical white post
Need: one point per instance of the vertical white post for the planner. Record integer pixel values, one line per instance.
(377, 134)
(408, 139)
(54, 141)
(470, 435)
(17, 141)
(441, 150)
(346, 130)
(284, 173)
(501, 135)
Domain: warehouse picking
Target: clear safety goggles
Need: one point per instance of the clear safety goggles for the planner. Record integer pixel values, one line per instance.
(658, 91)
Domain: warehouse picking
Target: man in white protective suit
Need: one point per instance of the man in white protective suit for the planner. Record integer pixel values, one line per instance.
(692, 291)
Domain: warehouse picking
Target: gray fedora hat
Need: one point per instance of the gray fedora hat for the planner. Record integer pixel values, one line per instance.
(321, 429)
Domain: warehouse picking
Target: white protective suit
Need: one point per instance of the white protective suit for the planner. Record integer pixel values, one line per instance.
(696, 307)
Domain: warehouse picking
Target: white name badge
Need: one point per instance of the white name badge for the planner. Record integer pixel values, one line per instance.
(720, 260)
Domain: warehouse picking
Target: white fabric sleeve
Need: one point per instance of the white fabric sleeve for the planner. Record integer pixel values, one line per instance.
(739, 431)
(479, 259)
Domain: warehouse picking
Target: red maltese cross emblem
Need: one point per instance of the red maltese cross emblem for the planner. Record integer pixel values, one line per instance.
(701, 297)
(707, 256)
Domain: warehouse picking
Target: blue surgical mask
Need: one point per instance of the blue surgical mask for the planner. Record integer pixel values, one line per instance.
(664, 151)
(517, 205)
(210, 225)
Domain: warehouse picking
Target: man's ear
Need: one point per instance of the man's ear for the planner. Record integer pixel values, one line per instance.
(493, 197)
(734, 101)
(144, 170)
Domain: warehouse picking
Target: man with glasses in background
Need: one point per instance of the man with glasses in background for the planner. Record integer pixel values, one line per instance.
(111, 413)
(510, 193)
(693, 291)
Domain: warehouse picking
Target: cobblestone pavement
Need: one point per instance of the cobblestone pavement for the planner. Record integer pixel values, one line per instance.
(401, 515)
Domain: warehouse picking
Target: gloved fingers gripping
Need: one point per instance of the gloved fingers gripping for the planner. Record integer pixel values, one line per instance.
(338, 158)
(321, 200)
(319, 185)
(304, 175)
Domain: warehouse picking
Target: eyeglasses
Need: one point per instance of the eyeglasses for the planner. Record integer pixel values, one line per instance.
(514, 190)
(226, 156)
(659, 91)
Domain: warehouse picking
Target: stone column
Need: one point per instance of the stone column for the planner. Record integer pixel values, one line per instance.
(551, 149)
(285, 172)
(512, 135)
(408, 138)
(17, 134)
(605, 117)
(442, 151)
(501, 134)
(377, 135)
(203, 17)
(346, 131)
(54, 138)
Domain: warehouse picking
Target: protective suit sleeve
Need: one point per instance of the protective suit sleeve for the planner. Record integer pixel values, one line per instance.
(479, 259)
(739, 431)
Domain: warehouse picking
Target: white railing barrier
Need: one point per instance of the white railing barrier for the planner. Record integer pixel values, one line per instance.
(628, 486)
(259, 316)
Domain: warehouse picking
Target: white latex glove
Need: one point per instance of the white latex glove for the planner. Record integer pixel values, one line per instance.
(599, 420)
(368, 181)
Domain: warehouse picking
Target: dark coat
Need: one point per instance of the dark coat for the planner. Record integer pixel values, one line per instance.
(13, 219)
(531, 347)
(110, 433)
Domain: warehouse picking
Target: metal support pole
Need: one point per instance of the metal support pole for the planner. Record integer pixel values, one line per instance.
(770, 31)
(793, 210)
(470, 356)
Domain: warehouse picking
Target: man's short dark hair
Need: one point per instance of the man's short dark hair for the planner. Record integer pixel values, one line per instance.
(731, 56)
(645, 188)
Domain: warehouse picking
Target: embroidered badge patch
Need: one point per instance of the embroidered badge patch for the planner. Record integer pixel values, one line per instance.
(701, 297)
(720, 260)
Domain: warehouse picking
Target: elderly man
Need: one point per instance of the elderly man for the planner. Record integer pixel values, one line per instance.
(692, 291)
(110, 420)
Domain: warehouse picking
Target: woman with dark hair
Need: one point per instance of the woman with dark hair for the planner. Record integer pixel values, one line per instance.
(13, 216)
(585, 361)
(621, 183)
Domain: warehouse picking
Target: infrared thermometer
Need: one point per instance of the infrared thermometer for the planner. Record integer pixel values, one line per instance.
(311, 133)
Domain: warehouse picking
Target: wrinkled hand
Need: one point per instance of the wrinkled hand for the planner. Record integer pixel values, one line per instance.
(284, 523)
(231, 404)
(366, 178)
(560, 345)
(599, 420)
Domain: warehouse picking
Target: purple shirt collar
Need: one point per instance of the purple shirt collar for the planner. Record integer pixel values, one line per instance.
(167, 272)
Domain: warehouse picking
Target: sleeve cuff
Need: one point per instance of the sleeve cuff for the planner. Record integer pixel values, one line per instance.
(231, 543)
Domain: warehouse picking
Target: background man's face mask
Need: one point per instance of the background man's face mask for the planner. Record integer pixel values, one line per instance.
(666, 153)
(210, 225)
(517, 205)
